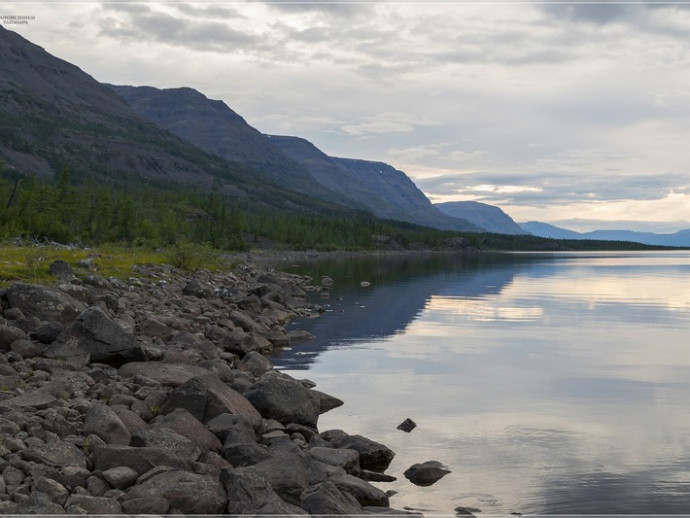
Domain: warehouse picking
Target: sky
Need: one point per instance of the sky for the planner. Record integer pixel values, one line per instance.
(573, 113)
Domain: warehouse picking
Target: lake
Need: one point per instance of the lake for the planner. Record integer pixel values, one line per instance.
(547, 383)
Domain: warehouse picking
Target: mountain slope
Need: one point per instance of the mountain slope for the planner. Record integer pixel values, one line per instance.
(292, 162)
(680, 238)
(212, 126)
(381, 189)
(488, 217)
(54, 116)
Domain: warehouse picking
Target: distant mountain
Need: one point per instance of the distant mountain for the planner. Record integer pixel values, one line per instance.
(487, 217)
(679, 239)
(380, 188)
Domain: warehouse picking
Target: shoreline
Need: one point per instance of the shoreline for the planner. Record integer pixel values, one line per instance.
(153, 396)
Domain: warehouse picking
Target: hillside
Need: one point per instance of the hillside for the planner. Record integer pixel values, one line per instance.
(212, 126)
(291, 162)
(488, 217)
(677, 239)
(383, 190)
(55, 116)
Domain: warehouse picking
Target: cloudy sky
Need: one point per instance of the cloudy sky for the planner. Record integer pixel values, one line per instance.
(558, 112)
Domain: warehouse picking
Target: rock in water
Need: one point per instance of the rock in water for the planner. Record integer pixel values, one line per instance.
(426, 473)
(407, 425)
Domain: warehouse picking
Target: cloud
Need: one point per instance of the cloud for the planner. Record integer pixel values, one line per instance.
(554, 189)
(390, 122)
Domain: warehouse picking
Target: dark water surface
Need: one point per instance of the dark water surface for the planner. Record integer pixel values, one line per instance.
(550, 384)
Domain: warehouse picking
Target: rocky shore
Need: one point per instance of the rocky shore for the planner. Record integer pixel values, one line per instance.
(152, 395)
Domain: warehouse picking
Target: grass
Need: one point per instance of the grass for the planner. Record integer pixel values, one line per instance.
(30, 263)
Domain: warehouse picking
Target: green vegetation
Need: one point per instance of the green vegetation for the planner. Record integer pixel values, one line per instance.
(188, 227)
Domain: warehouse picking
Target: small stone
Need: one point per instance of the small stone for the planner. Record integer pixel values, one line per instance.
(407, 425)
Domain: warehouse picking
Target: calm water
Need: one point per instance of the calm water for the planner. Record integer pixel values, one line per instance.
(551, 384)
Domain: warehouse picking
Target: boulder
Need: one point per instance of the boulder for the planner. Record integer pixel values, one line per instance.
(93, 505)
(184, 423)
(345, 458)
(43, 303)
(287, 471)
(104, 422)
(206, 397)
(146, 505)
(284, 400)
(187, 492)
(232, 428)
(120, 477)
(140, 460)
(373, 456)
(104, 340)
(250, 493)
(426, 473)
(57, 454)
(364, 493)
(170, 374)
(9, 335)
(168, 439)
(326, 498)
(240, 454)
(55, 491)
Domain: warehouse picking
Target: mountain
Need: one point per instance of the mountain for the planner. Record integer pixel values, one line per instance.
(678, 239)
(488, 217)
(292, 162)
(212, 126)
(54, 116)
(380, 188)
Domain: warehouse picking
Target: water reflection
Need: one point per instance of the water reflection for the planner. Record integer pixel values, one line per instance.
(548, 385)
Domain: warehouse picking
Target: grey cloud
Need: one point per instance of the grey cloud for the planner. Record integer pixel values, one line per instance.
(212, 11)
(161, 27)
(599, 13)
(549, 188)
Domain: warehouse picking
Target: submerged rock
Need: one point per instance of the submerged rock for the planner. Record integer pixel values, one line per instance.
(426, 473)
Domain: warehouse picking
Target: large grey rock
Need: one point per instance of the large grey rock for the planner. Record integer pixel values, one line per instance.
(250, 493)
(426, 473)
(8, 335)
(184, 423)
(37, 503)
(57, 454)
(287, 471)
(104, 422)
(240, 454)
(206, 397)
(326, 401)
(55, 491)
(93, 504)
(255, 363)
(103, 339)
(284, 400)
(43, 303)
(364, 493)
(344, 457)
(140, 460)
(168, 439)
(372, 455)
(188, 492)
(170, 374)
(146, 505)
(232, 428)
(326, 498)
(120, 477)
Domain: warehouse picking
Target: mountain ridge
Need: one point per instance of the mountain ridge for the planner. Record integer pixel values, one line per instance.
(675, 239)
(489, 217)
